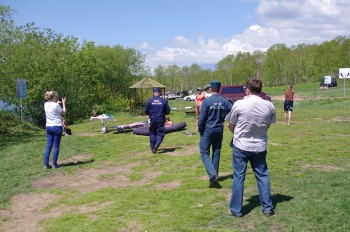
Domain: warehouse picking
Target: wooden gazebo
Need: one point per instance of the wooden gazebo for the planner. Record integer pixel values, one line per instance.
(141, 92)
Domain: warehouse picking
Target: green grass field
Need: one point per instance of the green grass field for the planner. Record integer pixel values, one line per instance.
(113, 182)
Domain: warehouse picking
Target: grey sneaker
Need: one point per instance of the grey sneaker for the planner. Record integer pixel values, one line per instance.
(46, 167)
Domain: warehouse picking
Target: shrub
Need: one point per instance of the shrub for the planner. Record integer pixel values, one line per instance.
(8, 121)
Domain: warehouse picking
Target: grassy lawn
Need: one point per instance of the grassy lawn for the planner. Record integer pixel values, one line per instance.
(113, 182)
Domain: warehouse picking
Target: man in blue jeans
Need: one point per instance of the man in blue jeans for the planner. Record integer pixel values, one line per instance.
(249, 121)
(211, 128)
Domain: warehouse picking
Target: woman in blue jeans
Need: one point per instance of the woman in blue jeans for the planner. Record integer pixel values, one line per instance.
(54, 113)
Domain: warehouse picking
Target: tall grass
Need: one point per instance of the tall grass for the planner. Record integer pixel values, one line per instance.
(308, 163)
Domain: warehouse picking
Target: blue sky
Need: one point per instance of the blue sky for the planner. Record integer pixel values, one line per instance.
(183, 32)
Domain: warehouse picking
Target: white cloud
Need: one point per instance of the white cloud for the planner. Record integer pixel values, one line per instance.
(204, 52)
(144, 46)
(291, 22)
(305, 21)
(181, 41)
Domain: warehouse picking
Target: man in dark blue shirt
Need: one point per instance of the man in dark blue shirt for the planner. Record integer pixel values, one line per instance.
(211, 128)
(156, 108)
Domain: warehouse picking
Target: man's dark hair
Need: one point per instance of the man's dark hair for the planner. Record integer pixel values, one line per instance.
(254, 85)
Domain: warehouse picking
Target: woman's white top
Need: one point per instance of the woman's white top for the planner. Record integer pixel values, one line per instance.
(53, 114)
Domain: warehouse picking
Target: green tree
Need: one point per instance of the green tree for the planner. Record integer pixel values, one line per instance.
(172, 72)
(185, 78)
(195, 77)
(327, 59)
(244, 67)
(275, 66)
(160, 74)
(7, 30)
(223, 69)
(117, 69)
(345, 53)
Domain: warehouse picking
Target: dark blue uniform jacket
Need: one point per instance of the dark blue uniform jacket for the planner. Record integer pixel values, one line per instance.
(213, 113)
(157, 108)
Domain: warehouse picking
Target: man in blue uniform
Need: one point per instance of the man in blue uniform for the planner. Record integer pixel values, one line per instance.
(156, 108)
(211, 128)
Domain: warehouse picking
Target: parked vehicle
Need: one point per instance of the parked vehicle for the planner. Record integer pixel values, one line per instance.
(171, 96)
(332, 84)
(237, 92)
(192, 97)
(208, 94)
(181, 94)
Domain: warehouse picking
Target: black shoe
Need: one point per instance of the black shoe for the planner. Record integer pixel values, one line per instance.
(269, 213)
(56, 166)
(213, 181)
(234, 215)
(154, 150)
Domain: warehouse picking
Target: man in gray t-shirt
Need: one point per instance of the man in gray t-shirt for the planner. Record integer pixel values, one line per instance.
(249, 121)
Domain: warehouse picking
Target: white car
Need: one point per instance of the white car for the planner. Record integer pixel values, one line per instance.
(192, 97)
(207, 94)
(171, 96)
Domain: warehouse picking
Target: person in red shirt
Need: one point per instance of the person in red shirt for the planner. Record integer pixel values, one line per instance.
(288, 104)
(168, 122)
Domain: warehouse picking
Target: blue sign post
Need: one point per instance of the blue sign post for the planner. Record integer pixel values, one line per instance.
(21, 88)
(21, 91)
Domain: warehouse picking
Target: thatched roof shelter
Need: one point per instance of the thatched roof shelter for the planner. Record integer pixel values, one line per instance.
(141, 92)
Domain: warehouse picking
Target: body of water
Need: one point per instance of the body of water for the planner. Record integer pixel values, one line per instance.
(3, 105)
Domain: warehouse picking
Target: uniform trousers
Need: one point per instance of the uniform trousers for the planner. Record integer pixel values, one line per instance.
(156, 133)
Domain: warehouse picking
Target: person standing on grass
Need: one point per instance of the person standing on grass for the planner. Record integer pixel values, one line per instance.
(199, 100)
(211, 128)
(54, 113)
(64, 122)
(288, 104)
(156, 107)
(249, 121)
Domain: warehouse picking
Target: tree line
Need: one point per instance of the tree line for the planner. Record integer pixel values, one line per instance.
(86, 74)
(94, 77)
(279, 65)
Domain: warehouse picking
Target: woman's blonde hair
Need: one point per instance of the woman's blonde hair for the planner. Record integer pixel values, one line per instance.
(50, 94)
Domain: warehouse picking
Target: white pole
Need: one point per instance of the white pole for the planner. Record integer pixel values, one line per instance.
(21, 110)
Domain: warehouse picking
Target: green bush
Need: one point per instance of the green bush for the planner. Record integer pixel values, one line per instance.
(10, 124)
(120, 104)
(7, 122)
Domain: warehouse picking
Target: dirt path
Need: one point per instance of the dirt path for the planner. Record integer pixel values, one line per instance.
(27, 210)
(297, 97)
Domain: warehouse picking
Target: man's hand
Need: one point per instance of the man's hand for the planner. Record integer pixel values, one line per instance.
(231, 127)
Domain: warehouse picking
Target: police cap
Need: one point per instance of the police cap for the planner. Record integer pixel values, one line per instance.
(156, 90)
(215, 84)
